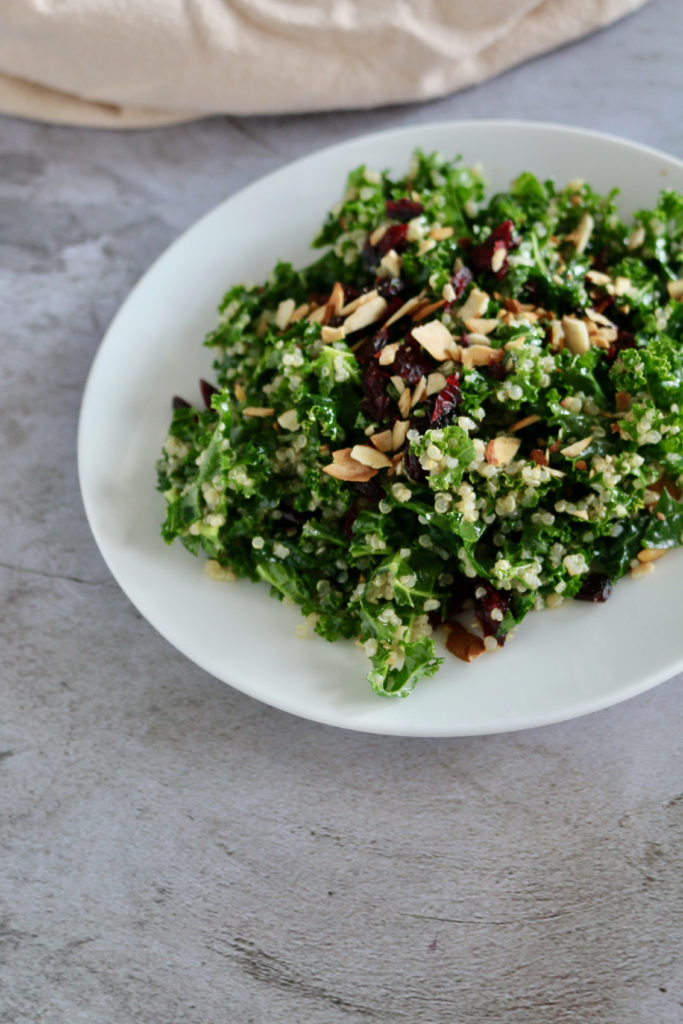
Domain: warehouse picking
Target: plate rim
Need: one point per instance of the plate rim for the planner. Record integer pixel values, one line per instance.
(402, 727)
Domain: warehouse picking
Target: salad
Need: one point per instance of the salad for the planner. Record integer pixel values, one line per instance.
(465, 409)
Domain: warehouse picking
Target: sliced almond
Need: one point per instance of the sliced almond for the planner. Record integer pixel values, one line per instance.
(475, 306)
(598, 318)
(343, 467)
(299, 313)
(404, 403)
(525, 421)
(419, 392)
(498, 259)
(575, 335)
(425, 245)
(359, 301)
(580, 513)
(436, 339)
(331, 334)
(284, 313)
(581, 234)
(435, 382)
(383, 441)
(556, 336)
(368, 456)
(335, 303)
(480, 355)
(392, 263)
(477, 339)
(621, 285)
(650, 554)
(240, 393)
(675, 290)
(424, 311)
(642, 569)
(398, 433)
(597, 277)
(317, 315)
(398, 383)
(288, 420)
(257, 411)
(462, 643)
(477, 325)
(438, 234)
(572, 450)
(515, 343)
(378, 234)
(501, 450)
(636, 238)
(388, 354)
(603, 337)
(365, 315)
(406, 308)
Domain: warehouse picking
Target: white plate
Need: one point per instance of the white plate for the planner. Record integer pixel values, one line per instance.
(561, 664)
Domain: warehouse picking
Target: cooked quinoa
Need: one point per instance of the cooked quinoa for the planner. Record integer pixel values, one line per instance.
(466, 403)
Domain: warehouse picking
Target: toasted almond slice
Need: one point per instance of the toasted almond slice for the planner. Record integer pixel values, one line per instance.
(555, 472)
(396, 465)
(475, 306)
(581, 234)
(378, 234)
(598, 318)
(556, 336)
(257, 410)
(478, 339)
(501, 450)
(383, 441)
(406, 308)
(240, 393)
(424, 311)
(284, 313)
(288, 420)
(425, 245)
(621, 285)
(436, 339)
(398, 433)
(603, 337)
(622, 400)
(675, 290)
(368, 456)
(330, 334)
(435, 382)
(398, 383)
(365, 315)
(580, 513)
(498, 259)
(360, 301)
(642, 569)
(480, 355)
(572, 450)
(637, 237)
(343, 467)
(462, 643)
(317, 315)
(597, 277)
(388, 354)
(299, 313)
(477, 325)
(575, 335)
(419, 392)
(525, 421)
(651, 554)
(515, 343)
(440, 233)
(404, 403)
(392, 263)
(335, 303)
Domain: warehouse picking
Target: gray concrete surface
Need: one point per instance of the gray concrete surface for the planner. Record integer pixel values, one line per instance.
(174, 852)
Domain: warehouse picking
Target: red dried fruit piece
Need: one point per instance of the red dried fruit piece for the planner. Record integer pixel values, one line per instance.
(411, 362)
(503, 236)
(393, 238)
(447, 400)
(484, 606)
(597, 587)
(179, 403)
(208, 391)
(624, 340)
(402, 209)
(461, 278)
(376, 402)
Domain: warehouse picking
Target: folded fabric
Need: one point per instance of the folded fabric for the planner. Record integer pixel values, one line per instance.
(122, 63)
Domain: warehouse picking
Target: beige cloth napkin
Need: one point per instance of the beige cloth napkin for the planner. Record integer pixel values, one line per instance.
(127, 63)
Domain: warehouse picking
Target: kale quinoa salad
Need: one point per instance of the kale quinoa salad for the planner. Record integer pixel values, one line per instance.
(467, 408)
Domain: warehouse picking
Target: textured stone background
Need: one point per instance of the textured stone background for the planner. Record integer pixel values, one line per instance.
(173, 851)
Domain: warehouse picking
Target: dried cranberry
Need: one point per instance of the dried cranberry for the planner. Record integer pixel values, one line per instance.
(624, 340)
(370, 491)
(597, 586)
(370, 257)
(496, 370)
(350, 518)
(402, 209)
(502, 237)
(461, 278)
(484, 606)
(179, 403)
(376, 403)
(371, 346)
(447, 400)
(391, 287)
(411, 362)
(393, 238)
(208, 391)
(413, 467)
